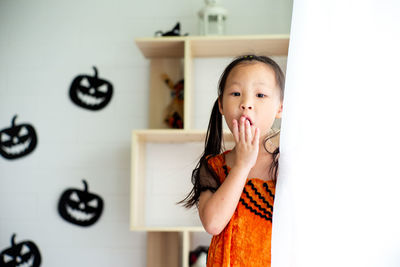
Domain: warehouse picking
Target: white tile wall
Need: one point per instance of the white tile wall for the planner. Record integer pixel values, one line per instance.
(44, 44)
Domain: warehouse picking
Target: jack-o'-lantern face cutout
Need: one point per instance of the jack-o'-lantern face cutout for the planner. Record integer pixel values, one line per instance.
(80, 207)
(18, 140)
(90, 92)
(25, 254)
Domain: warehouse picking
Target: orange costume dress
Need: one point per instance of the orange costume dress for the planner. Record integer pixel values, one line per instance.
(246, 239)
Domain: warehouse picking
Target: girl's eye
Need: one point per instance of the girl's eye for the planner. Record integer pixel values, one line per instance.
(261, 95)
(236, 94)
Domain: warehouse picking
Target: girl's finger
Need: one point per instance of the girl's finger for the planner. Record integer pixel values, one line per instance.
(253, 132)
(249, 136)
(256, 137)
(235, 131)
(242, 130)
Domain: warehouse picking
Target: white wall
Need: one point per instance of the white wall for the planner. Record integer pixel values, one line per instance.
(43, 45)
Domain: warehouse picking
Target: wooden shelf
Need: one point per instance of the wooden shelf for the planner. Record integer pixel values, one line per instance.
(220, 46)
(161, 47)
(174, 135)
(167, 229)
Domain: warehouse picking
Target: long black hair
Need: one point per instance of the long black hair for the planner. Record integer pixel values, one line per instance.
(214, 138)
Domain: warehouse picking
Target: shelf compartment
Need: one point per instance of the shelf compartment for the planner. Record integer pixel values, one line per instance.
(164, 249)
(160, 93)
(162, 162)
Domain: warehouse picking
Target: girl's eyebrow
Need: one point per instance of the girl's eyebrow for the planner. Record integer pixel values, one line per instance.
(234, 83)
(260, 83)
(264, 85)
(256, 83)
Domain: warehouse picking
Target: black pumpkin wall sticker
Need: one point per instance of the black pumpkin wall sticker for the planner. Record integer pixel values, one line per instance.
(18, 140)
(80, 207)
(90, 92)
(25, 253)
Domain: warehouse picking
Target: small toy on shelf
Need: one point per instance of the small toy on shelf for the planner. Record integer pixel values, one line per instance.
(176, 31)
(198, 257)
(174, 112)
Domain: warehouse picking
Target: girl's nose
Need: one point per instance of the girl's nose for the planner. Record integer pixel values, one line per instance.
(245, 106)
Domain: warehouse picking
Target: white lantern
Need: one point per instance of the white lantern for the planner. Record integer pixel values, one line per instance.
(212, 18)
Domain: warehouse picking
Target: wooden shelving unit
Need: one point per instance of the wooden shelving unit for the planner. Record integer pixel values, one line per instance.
(168, 240)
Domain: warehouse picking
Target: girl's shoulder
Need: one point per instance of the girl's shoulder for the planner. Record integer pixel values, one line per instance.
(217, 160)
(218, 165)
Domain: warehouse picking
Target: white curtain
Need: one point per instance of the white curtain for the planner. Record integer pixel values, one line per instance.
(338, 192)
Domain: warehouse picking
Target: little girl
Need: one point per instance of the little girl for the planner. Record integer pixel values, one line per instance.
(234, 190)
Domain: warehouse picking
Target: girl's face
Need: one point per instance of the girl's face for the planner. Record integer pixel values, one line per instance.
(251, 91)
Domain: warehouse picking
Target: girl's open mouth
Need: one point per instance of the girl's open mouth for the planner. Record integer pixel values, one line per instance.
(247, 118)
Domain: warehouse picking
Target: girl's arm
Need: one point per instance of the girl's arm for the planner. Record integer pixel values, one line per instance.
(216, 209)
